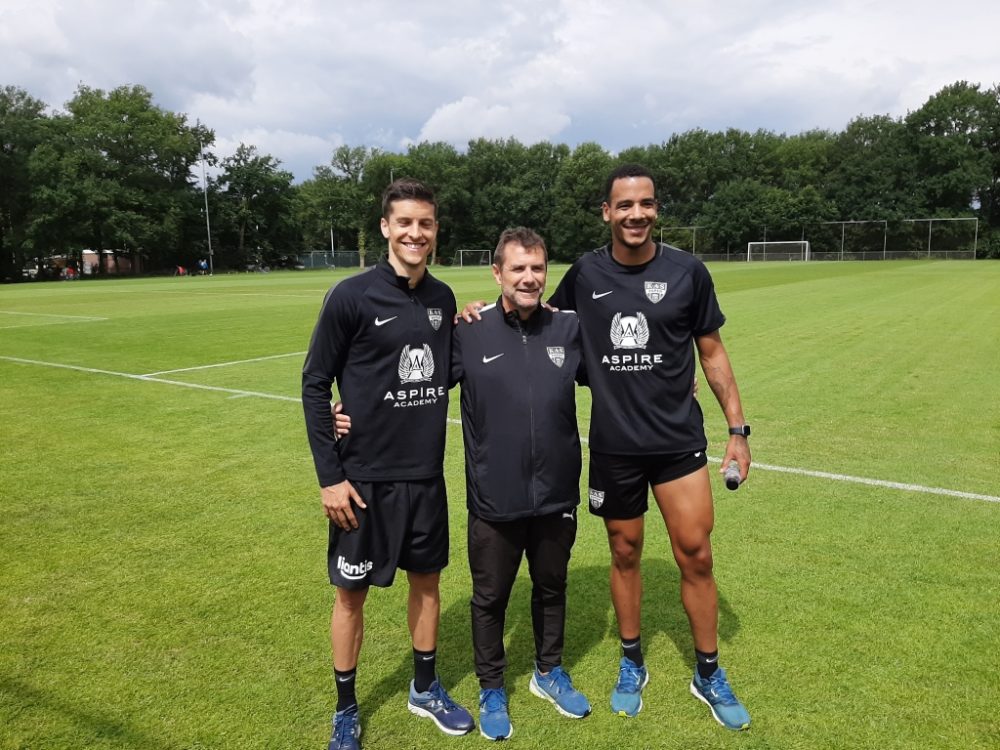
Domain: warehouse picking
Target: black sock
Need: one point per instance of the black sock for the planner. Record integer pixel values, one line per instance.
(345, 688)
(633, 650)
(708, 662)
(424, 669)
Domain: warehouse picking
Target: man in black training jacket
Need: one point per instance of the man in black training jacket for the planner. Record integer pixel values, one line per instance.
(384, 337)
(518, 368)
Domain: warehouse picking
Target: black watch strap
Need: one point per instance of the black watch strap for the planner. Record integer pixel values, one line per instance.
(743, 430)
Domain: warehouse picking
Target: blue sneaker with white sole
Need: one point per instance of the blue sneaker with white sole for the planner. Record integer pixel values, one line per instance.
(716, 693)
(626, 697)
(346, 730)
(436, 704)
(494, 721)
(557, 688)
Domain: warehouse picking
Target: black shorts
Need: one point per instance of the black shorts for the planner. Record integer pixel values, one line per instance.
(619, 485)
(404, 526)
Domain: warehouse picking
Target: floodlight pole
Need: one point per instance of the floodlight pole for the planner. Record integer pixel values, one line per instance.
(204, 192)
(331, 232)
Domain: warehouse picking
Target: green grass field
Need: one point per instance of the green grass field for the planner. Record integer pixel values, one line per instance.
(162, 549)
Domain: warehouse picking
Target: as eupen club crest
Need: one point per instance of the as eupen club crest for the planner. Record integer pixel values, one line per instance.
(656, 290)
(557, 354)
(416, 365)
(434, 316)
(628, 332)
(596, 497)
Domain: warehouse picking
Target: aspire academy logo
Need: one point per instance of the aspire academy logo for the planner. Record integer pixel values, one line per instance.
(416, 365)
(629, 332)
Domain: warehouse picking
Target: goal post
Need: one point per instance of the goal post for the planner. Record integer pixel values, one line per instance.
(790, 250)
(471, 257)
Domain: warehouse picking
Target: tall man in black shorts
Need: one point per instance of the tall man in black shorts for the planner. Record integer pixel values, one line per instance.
(644, 307)
(384, 337)
(518, 368)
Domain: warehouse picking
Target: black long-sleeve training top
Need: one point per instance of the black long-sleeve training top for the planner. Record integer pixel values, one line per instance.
(388, 348)
(522, 446)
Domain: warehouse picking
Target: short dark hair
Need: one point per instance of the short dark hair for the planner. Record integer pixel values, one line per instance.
(622, 172)
(526, 238)
(406, 189)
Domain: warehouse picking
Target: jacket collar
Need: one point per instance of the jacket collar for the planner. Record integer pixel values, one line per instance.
(387, 272)
(514, 320)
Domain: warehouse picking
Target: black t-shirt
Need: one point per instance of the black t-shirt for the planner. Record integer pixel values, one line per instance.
(639, 325)
(388, 347)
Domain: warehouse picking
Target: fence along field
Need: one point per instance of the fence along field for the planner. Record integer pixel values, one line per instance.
(161, 553)
(906, 239)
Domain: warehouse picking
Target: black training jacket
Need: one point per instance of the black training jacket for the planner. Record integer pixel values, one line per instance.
(388, 347)
(522, 447)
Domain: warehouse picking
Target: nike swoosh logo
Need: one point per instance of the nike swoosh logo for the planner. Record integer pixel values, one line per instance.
(487, 360)
(595, 295)
(568, 515)
(383, 322)
(698, 454)
(344, 679)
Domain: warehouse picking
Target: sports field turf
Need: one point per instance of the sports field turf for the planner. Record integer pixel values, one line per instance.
(162, 548)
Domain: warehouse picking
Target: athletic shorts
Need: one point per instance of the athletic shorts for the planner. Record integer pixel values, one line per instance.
(404, 526)
(619, 485)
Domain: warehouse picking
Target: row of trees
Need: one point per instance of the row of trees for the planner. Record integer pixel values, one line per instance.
(115, 171)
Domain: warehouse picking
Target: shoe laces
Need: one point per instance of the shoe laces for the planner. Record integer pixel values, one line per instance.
(629, 678)
(559, 680)
(345, 725)
(440, 695)
(719, 688)
(493, 700)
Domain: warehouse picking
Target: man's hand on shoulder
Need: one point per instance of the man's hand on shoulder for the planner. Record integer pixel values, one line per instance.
(470, 312)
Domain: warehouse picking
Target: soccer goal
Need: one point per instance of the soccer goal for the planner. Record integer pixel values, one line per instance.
(792, 250)
(466, 257)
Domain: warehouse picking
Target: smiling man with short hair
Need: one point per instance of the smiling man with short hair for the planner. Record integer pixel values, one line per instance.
(384, 337)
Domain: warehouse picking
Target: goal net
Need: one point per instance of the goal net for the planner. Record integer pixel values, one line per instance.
(473, 257)
(791, 250)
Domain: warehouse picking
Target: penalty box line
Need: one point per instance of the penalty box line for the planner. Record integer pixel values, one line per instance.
(150, 379)
(764, 467)
(49, 319)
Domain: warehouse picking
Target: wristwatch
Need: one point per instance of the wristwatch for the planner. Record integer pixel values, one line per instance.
(743, 429)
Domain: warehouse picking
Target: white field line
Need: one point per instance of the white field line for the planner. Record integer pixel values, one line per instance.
(224, 364)
(150, 379)
(60, 319)
(208, 293)
(762, 467)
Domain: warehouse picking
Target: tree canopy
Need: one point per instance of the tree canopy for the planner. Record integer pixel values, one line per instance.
(116, 172)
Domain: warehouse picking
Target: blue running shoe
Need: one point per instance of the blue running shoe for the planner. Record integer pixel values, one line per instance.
(716, 693)
(494, 721)
(346, 730)
(557, 688)
(626, 697)
(436, 704)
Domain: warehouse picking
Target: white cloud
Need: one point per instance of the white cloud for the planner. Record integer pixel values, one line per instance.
(468, 118)
(304, 77)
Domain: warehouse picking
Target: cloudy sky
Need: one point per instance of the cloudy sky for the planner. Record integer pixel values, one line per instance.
(297, 79)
